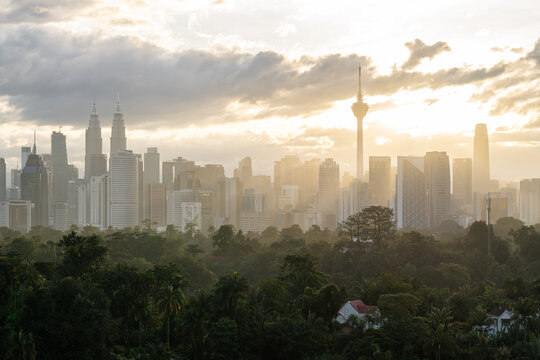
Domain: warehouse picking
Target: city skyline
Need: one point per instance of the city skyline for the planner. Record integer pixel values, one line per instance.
(271, 90)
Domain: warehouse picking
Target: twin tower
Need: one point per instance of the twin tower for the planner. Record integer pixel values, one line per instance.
(95, 160)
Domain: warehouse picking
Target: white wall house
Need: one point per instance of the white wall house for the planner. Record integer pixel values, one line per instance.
(355, 308)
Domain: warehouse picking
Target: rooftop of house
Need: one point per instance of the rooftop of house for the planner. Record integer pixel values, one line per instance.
(362, 308)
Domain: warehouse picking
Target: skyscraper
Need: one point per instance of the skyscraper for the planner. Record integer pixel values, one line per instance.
(60, 167)
(35, 187)
(155, 204)
(328, 194)
(380, 179)
(95, 162)
(25, 151)
(462, 182)
(529, 201)
(360, 109)
(151, 166)
(481, 159)
(118, 131)
(99, 201)
(437, 171)
(411, 206)
(245, 172)
(125, 189)
(3, 187)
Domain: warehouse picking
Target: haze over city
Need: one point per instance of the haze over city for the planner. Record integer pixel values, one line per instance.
(216, 81)
(234, 179)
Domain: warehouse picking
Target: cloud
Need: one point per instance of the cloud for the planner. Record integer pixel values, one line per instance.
(535, 53)
(42, 11)
(51, 76)
(419, 51)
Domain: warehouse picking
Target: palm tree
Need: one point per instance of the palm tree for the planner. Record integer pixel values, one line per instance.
(194, 321)
(169, 302)
(229, 289)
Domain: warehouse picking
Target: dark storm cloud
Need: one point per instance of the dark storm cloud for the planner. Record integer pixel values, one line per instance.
(52, 77)
(41, 11)
(419, 51)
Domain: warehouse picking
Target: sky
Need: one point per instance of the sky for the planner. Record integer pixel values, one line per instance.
(214, 81)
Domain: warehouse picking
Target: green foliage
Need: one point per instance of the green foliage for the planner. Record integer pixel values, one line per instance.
(140, 294)
(81, 254)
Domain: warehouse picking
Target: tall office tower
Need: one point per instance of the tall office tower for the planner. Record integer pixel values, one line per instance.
(262, 184)
(529, 201)
(16, 178)
(253, 216)
(289, 171)
(437, 171)
(155, 204)
(61, 215)
(411, 207)
(233, 201)
(73, 203)
(344, 204)
(311, 173)
(360, 109)
(462, 182)
(35, 188)
(346, 179)
(245, 172)
(25, 151)
(95, 162)
(206, 198)
(118, 131)
(151, 166)
(3, 187)
(167, 173)
(380, 180)
(60, 167)
(359, 196)
(125, 189)
(481, 182)
(99, 198)
(328, 194)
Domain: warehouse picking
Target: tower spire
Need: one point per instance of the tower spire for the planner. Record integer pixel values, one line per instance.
(359, 96)
(34, 147)
(94, 106)
(118, 102)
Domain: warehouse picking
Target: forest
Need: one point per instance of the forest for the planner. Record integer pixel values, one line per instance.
(137, 293)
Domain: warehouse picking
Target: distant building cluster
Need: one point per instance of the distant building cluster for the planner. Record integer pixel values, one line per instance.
(123, 189)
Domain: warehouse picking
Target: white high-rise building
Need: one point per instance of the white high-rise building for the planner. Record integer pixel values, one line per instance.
(411, 207)
(190, 214)
(125, 202)
(99, 201)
